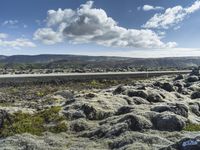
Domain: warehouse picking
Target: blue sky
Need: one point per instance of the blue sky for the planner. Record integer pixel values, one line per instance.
(132, 28)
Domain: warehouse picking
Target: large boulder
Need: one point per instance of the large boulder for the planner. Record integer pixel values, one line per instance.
(90, 95)
(139, 100)
(158, 84)
(179, 109)
(74, 114)
(140, 93)
(195, 95)
(136, 100)
(120, 89)
(161, 108)
(135, 122)
(106, 131)
(124, 110)
(168, 122)
(79, 125)
(168, 87)
(116, 127)
(154, 97)
(93, 113)
(193, 79)
(195, 108)
(179, 77)
(116, 130)
(179, 85)
(185, 144)
(165, 86)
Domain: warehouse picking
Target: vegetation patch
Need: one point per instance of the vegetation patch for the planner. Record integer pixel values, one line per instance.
(101, 84)
(192, 127)
(34, 124)
(5, 104)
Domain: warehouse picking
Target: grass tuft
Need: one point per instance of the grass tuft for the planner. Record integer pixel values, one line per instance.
(192, 127)
(34, 124)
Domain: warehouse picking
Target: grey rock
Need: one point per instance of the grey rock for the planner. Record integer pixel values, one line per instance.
(161, 108)
(168, 87)
(78, 114)
(179, 77)
(116, 130)
(154, 97)
(158, 84)
(79, 125)
(179, 85)
(179, 109)
(139, 100)
(120, 89)
(90, 95)
(124, 110)
(195, 95)
(125, 123)
(135, 122)
(94, 114)
(168, 122)
(192, 78)
(74, 114)
(185, 144)
(195, 108)
(140, 93)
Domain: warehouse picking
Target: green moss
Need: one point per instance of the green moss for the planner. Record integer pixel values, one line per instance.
(44, 91)
(6, 104)
(13, 91)
(94, 83)
(50, 100)
(34, 124)
(51, 114)
(23, 123)
(192, 127)
(60, 127)
(40, 94)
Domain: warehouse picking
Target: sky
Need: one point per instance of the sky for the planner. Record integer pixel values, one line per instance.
(128, 28)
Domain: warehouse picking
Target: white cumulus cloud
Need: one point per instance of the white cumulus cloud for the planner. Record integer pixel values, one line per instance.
(88, 24)
(10, 22)
(15, 44)
(171, 16)
(3, 36)
(48, 36)
(149, 7)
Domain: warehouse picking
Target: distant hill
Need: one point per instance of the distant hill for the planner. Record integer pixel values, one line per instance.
(53, 58)
(54, 61)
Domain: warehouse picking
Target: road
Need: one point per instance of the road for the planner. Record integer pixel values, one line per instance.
(48, 78)
(9, 76)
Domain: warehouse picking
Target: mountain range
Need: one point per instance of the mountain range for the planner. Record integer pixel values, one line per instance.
(99, 61)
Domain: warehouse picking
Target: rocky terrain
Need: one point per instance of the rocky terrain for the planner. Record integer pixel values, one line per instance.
(41, 64)
(160, 113)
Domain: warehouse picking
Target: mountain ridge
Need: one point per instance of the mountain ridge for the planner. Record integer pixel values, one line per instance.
(52, 61)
